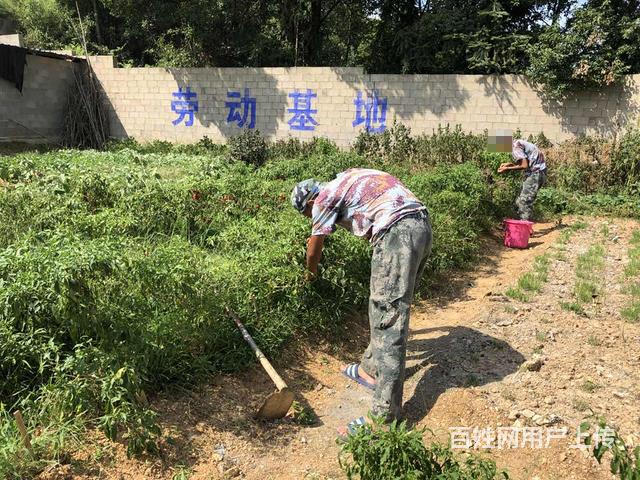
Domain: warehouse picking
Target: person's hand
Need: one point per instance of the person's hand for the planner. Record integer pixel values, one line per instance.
(502, 168)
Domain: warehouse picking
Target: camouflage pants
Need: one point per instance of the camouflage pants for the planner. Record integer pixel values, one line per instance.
(396, 268)
(528, 194)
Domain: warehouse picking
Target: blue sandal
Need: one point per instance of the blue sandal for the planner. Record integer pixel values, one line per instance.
(353, 427)
(352, 372)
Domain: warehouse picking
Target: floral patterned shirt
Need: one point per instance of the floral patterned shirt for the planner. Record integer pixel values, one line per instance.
(364, 201)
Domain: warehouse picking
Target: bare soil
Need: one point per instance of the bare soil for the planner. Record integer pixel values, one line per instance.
(466, 368)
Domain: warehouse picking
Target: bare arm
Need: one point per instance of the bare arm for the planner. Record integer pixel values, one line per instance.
(523, 164)
(314, 254)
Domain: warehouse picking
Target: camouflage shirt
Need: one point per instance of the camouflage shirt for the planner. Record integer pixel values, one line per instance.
(366, 202)
(525, 150)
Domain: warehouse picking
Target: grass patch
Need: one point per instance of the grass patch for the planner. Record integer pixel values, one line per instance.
(510, 309)
(517, 294)
(589, 386)
(541, 336)
(589, 266)
(566, 234)
(580, 405)
(594, 341)
(531, 282)
(631, 312)
(586, 291)
(572, 307)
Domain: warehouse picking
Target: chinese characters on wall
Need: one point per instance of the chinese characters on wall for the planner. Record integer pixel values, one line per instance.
(370, 109)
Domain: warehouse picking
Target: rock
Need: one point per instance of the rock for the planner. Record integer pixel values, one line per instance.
(620, 393)
(514, 414)
(549, 400)
(498, 298)
(505, 323)
(233, 472)
(518, 423)
(319, 387)
(217, 457)
(534, 364)
(552, 419)
(599, 370)
(527, 413)
(538, 420)
(219, 453)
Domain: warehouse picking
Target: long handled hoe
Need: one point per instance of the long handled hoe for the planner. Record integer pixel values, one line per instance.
(278, 403)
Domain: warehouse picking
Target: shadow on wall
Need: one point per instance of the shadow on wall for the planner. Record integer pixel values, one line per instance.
(603, 112)
(344, 102)
(501, 88)
(233, 99)
(411, 99)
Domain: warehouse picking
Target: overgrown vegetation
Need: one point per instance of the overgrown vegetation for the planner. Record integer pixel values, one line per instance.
(116, 267)
(378, 451)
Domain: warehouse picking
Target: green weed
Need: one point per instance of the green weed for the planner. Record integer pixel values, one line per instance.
(580, 405)
(625, 461)
(181, 473)
(572, 307)
(631, 313)
(517, 294)
(530, 282)
(589, 386)
(302, 414)
(588, 278)
(379, 451)
(594, 341)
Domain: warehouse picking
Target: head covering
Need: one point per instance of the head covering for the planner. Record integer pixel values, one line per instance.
(303, 192)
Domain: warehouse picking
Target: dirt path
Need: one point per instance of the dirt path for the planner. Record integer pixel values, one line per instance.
(465, 370)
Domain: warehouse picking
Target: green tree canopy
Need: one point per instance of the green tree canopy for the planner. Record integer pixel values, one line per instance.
(561, 45)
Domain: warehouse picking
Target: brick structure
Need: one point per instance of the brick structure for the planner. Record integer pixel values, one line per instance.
(160, 103)
(36, 114)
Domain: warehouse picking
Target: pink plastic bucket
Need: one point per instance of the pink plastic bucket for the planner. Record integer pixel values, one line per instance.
(516, 233)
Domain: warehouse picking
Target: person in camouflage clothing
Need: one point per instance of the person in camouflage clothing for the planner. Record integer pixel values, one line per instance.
(527, 157)
(376, 206)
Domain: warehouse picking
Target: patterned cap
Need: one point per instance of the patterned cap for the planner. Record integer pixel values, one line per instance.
(303, 192)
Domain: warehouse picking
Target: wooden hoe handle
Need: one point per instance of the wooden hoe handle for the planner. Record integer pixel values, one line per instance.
(280, 384)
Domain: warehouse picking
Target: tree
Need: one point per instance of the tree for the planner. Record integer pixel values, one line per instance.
(493, 47)
(598, 45)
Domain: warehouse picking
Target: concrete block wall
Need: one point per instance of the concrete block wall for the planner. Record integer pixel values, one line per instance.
(140, 99)
(36, 114)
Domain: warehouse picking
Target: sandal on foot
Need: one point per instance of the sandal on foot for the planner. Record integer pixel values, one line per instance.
(352, 372)
(353, 427)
